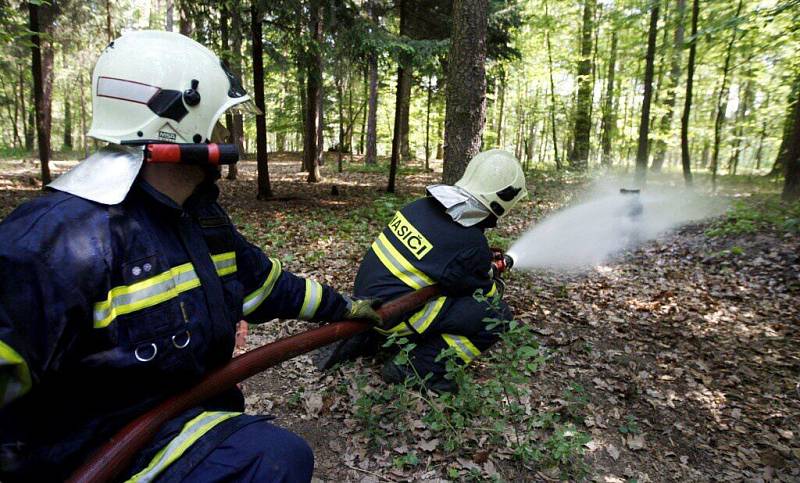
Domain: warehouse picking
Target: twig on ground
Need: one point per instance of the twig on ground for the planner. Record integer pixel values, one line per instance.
(377, 475)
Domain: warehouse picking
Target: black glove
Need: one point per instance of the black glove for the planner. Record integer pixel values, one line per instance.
(364, 309)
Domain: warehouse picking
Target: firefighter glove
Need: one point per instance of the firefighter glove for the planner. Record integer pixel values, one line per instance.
(364, 309)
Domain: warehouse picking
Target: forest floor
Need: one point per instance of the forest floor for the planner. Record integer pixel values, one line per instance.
(679, 361)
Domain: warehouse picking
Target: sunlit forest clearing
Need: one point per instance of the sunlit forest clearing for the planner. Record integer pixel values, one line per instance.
(676, 358)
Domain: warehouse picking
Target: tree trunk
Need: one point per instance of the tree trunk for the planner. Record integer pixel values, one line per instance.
(608, 124)
(109, 24)
(779, 166)
(264, 188)
(372, 112)
(185, 18)
(466, 87)
(741, 115)
(237, 124)
(428, 124)
(363, 134)
(501, 105)
(405, 110)
(762, 135)
(687, 107)
(27, 127)
(313, 94)
(67, 124)
(170, 20)
(31, 134)
(321, 118)
(41, 20)
(644, 126)
(552, 92)
(791, 186)
(722, 104)
(84, 141)
(671, 88)
(340, 101)
(579, 156)
(398, 130)
(440, 133)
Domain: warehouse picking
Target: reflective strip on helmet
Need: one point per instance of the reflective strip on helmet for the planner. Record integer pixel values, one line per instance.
(465, 349)
(311, 300)
(155, 290)
(15, 376)
(398, 264)
(255, 299)
(125, 90)
(191, 432)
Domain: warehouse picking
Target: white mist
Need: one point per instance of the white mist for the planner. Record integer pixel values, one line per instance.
(607, 223)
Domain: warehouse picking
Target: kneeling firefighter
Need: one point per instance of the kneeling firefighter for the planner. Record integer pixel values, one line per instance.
(123, 286)
(440, 240)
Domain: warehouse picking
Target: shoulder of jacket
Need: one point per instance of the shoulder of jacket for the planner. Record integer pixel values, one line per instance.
(52, 219)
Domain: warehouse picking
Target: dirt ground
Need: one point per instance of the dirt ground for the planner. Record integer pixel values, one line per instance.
(688, 348)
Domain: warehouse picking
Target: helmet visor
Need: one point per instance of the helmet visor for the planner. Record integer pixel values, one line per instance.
(246, 109)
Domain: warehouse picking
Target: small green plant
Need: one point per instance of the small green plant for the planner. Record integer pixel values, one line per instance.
(758, 213)
(408, 459)
(497, 411)
(630, 426)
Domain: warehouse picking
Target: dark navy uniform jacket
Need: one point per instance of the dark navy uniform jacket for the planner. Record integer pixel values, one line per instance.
(107, 310)
(420, 246)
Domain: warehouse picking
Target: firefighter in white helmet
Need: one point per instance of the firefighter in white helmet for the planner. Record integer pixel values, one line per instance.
(124, 286)
(440, 239)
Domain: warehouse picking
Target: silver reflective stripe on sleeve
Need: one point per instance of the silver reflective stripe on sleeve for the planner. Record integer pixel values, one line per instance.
(465, 349)
(255, 299)
(425, 317)
(191, 432)
(311, 300)
(224, 263)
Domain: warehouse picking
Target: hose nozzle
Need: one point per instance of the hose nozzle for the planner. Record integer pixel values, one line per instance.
(502, 261)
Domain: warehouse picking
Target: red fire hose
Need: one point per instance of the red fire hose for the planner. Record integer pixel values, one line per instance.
(114, 457)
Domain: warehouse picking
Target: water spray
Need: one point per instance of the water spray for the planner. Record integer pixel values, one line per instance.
(608, 222)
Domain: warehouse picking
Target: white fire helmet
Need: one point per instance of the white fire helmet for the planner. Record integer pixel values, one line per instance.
(495, 178)
(160, 86)
(149, 86)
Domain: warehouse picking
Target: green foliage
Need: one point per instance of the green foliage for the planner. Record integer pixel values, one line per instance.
(630, 426)
(496, 410)
(761, 213)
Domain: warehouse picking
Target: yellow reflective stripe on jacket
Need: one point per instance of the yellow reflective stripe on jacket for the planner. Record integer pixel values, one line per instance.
(311, 300)
(154, 290)
(492, 291)
(15, 376)
(255, 299)
(191, 432)
(396, 263)
(465, 349)
(425, 317)
(224, 263)
(419, 321)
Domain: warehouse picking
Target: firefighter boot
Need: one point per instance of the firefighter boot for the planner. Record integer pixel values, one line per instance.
(360, 345)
